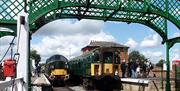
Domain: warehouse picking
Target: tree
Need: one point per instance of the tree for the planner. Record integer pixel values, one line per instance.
(34, 55)
(160, 63)
(136, 56)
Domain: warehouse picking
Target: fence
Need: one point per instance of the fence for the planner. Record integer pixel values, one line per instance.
(13, 85)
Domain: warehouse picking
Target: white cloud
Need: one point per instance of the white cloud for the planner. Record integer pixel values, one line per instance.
(151, 41)
(131, 43)
(4, 44)
(5, 40)
(176, 34)
(68, 38)
(102, 36)
(154, 56)
(175, 54)
(152, 53)
(67, 45)
(66, 27)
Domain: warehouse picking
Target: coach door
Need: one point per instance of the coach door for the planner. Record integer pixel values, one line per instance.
(96, 69)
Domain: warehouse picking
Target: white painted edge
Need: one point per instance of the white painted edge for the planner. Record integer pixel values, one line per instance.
(132, 80)
(47, 81)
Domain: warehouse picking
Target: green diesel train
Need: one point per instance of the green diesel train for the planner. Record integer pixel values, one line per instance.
(56, 69)
(97, 68)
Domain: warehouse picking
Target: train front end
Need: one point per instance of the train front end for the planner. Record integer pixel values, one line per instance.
(106, 68)
(56, 70)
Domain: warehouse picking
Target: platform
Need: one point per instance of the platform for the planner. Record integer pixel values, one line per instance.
(41, 80)
(135, 81)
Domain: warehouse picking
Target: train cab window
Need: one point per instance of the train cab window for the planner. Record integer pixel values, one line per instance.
(88, 58)
(107, 57)
(51, 67)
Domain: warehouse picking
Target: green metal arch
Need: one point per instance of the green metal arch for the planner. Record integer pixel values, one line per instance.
(168, 16)
(173, 41)
(5, 33)
(43, 20)
(149, 9)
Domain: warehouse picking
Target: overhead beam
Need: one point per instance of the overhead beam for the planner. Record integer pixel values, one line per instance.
(87, 6)
(5, 33)
(115, 11)
(173, 41)
(153, 18)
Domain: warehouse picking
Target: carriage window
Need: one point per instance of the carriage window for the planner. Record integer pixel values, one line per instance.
(107, 57)
(117, 59)
(79, 64)
(95, 57)
(66, 65)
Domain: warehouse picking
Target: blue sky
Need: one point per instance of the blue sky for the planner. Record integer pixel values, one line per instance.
(68, 36)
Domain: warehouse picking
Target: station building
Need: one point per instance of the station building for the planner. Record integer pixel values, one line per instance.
(123, 50)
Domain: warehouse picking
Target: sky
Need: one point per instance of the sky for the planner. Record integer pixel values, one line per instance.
(68, 36)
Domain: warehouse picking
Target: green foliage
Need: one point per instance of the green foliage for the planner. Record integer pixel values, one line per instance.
(136, 56)
(34, 55)
(160, 63)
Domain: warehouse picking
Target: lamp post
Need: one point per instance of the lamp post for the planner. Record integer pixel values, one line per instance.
(12, 45)
(162, 84)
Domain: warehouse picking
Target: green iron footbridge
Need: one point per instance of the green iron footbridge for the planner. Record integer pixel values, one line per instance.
(152, 13)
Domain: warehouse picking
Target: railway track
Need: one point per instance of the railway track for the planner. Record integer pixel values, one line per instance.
(62, 89)
(70, 88)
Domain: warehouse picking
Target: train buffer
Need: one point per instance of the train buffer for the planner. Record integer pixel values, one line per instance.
(135, 81)
(41, 83)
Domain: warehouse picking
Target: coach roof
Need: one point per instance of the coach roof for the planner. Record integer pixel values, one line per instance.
(57, 57)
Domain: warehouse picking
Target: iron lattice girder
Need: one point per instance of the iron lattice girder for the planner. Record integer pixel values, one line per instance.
(103, 13)
(138, 19)
(156, 7)
(117, 10)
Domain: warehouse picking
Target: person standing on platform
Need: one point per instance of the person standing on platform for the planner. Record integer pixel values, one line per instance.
(129, 69)
(133, 69)
(123, 68)
(138, 73)
(38, 70)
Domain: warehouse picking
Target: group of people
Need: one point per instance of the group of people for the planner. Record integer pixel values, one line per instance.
(136, 69)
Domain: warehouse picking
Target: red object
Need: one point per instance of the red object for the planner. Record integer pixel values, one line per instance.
(177, 62)
(8, 68)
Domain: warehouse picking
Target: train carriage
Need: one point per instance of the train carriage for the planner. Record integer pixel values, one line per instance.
(97, 67)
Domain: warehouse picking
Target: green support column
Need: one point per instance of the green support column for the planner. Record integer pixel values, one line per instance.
(168, 85)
